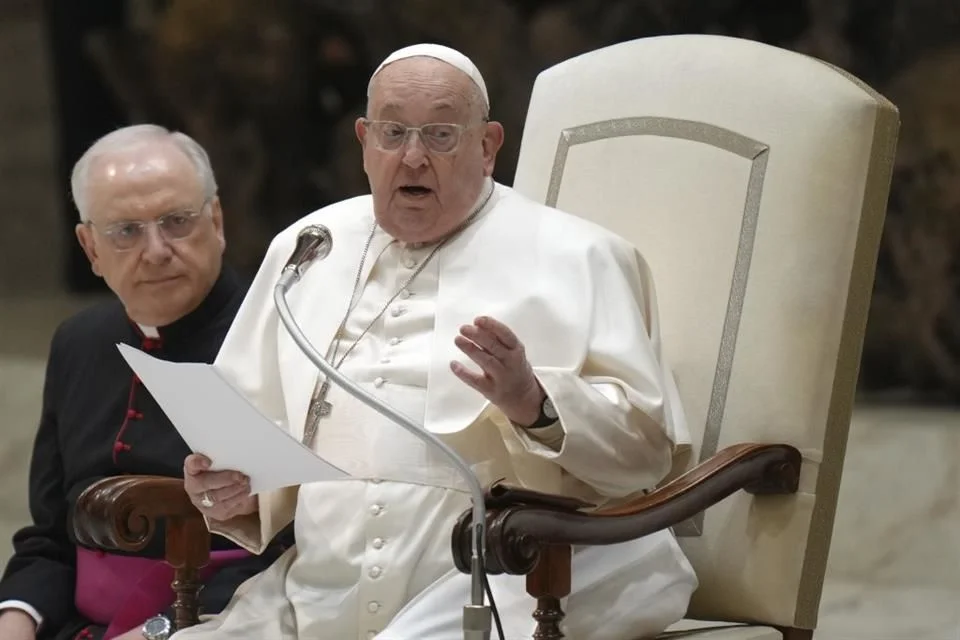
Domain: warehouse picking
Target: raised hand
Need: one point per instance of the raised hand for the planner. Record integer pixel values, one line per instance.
(506, 378)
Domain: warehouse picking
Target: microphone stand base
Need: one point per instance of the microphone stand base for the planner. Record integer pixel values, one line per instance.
(476, 622)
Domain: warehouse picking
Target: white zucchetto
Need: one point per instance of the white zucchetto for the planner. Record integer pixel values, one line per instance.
(445, 54)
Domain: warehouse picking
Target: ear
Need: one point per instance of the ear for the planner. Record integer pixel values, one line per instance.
(492, 141)
(85, 237)
(361, 130)
(216, 215)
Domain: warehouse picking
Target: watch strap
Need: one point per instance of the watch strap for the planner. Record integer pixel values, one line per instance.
(544, 419)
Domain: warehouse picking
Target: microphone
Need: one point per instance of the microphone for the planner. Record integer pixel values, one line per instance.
(313, 243)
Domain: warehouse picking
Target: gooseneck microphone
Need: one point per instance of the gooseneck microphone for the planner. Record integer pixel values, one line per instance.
(314, 243)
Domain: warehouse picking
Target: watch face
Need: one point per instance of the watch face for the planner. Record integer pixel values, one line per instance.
(548, 409)
(156, 628)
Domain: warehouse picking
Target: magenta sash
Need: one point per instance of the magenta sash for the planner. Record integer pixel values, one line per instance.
(121, 592)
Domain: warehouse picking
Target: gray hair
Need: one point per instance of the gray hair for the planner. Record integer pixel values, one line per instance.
(135, 134)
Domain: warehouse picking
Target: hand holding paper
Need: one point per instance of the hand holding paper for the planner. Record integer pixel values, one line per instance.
(221, 495)
(216, 420)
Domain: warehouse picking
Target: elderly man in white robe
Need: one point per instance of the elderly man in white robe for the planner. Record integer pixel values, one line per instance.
(525, 338)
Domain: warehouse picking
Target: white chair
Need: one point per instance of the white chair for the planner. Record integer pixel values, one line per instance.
(754, 180)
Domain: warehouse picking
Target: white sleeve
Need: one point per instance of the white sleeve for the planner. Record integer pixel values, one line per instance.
(619, 425)
(248, 360)
(23, 606)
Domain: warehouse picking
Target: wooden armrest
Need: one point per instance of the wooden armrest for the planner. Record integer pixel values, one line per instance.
(500, 496)
(519, 530)
(121, 513)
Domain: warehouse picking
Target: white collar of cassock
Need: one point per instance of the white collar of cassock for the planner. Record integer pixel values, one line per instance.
(149, 332)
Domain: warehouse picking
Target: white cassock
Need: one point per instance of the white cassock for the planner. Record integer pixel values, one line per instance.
(373, 556)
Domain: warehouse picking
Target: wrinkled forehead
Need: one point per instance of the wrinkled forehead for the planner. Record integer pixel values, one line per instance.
(143, 163)
(141, 180)
(421, 88)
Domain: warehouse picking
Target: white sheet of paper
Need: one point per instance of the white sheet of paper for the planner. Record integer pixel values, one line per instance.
(216, 420)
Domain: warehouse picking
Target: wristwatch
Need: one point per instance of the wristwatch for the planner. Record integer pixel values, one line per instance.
(157, 628)
(548, 414)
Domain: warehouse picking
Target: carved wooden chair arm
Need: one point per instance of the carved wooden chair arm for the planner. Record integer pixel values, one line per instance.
(121, 513)
(522, 524)
(501, 496)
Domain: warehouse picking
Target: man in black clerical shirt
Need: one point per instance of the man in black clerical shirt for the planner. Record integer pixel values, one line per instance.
(152, 228)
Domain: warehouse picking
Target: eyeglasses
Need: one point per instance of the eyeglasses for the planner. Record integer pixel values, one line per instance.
(128, 234)
(437, 137)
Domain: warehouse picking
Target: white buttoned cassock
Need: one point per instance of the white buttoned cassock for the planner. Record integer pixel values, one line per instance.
(373, 556)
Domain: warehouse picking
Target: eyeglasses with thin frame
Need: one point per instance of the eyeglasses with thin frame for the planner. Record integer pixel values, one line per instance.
(438, 137)
(126, 235)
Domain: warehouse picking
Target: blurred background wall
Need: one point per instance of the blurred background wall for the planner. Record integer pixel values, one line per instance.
(271, 89)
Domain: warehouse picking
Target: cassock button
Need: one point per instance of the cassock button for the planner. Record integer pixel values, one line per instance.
(375, 572)
(373, 607)
(394, 341)
(376, 509)
(396, 311)
(378, 382)
(404, 294)
(378, 543)
(409, 262)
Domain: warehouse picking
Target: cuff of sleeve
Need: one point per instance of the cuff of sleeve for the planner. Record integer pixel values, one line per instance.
(243, 530)
(26, 608)
(545, 441)
(254, 532)
(551, 436)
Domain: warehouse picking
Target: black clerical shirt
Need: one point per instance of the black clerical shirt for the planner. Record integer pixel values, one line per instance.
(98, 420)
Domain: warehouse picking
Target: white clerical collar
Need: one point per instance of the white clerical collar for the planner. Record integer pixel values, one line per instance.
(149, 332)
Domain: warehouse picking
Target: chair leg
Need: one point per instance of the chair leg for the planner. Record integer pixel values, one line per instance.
(186, 585)
(548, 583)
(792, 633)
(548, 614)
(188, 551)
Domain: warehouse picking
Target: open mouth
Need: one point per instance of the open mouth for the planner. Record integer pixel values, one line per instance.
(415, 190)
